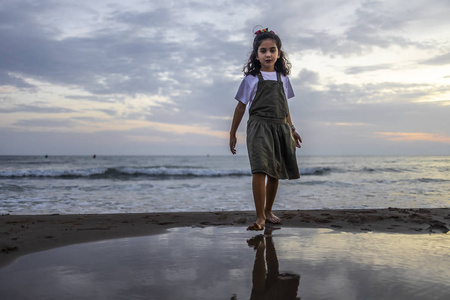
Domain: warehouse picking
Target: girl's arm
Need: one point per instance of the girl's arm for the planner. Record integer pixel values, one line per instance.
(295, 134)
(238, 114)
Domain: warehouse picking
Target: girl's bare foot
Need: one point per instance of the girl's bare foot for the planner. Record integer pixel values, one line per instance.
(255, 227)
(271, 218)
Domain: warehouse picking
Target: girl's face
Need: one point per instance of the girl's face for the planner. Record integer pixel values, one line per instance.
(268, 55)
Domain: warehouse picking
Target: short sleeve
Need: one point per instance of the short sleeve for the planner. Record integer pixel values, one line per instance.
(288, 88)
(247, 90)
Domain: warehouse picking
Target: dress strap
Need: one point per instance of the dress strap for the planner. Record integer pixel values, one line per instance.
(260, 77)
(278, 77)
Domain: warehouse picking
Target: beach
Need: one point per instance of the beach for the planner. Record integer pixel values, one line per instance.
(392, 253)
(24, 234)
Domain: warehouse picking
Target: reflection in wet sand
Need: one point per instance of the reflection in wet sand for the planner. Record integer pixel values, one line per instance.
(213, 263)
(270, 284)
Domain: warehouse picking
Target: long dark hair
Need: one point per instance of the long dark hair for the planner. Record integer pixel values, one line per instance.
(253, 65)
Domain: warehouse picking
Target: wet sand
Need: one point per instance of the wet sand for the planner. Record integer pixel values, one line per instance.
(23, 234)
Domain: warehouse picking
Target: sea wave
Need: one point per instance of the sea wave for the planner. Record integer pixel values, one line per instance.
(426, 180)
(133, 172)
(383, 170)
(121, 173)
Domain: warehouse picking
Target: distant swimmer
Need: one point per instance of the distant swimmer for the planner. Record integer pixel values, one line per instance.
(95, 156)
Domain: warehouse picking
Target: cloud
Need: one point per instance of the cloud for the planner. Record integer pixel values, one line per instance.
(96, 98)
(12, 80)
(42, 109)
(349, 28)
(124, 59)
(344, 124)
(414, 136)
(363, 69)
(307, 77)
(46, 123)
(376, 25)
(438, 60)
(383, 92)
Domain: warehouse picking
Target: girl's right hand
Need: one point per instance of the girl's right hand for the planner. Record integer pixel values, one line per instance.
(237, 117)
(233, 141)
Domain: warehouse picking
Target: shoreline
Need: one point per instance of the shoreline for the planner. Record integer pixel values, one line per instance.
(24, 234)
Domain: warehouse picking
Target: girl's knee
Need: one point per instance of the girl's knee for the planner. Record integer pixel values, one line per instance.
(259, 175)
(273, 179)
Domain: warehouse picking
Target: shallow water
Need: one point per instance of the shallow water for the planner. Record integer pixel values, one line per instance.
(217, 263)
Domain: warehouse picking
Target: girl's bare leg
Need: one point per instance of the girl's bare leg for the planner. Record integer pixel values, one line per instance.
(271, 193)
(259, 196)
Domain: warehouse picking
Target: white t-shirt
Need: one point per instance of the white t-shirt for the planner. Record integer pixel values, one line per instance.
(247, 90)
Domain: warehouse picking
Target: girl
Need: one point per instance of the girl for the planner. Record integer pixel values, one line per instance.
(271, 137)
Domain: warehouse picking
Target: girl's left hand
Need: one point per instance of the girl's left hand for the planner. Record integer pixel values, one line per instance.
(297, 139)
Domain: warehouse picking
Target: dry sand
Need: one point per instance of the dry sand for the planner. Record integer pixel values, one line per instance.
(22, 234)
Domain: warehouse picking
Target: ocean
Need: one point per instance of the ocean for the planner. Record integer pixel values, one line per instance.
(142, 184)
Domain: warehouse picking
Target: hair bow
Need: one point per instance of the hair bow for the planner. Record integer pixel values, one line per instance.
(263, 30)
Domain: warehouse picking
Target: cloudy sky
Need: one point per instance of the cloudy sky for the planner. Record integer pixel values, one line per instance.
(159, 77)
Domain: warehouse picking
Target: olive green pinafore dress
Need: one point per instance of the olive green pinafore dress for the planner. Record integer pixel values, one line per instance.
(270, 145)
